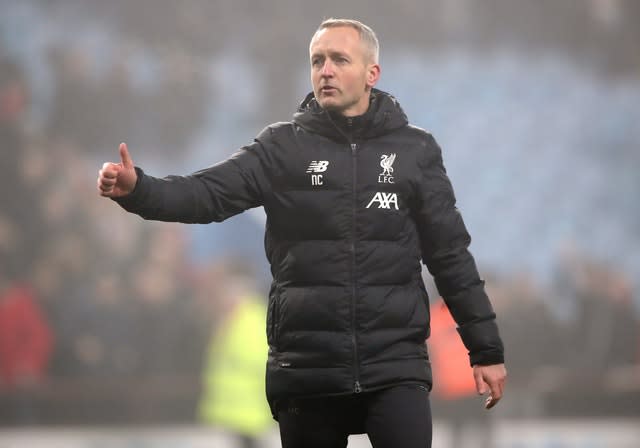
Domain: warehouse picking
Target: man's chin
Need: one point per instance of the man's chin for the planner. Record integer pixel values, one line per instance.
(330, 105)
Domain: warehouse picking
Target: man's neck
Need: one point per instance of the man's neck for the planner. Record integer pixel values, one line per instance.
(353, 114)
(358, 109)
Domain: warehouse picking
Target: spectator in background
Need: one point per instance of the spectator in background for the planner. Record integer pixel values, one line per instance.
(234, 375)
(454, 387)
(602, 316)
(26, 340)
(89, 107)
(163, 301)
(25, 346)
(25, 337)
(606, 320)
(523, 313)
(14, 215)
(452, 375)
(13, 103)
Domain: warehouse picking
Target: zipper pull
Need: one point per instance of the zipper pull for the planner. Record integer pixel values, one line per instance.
(354, 147)
(357, 387)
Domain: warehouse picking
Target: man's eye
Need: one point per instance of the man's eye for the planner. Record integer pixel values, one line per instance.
(315, 62)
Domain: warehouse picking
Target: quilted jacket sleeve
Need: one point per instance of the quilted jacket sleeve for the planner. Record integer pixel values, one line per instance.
(212, 194)
(444, 245)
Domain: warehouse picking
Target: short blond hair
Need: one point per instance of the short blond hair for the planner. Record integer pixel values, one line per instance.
(367, 35)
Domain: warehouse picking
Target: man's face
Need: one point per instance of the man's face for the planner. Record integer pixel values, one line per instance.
(342, 73)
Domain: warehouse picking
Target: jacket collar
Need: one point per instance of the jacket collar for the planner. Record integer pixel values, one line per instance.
(383, 116)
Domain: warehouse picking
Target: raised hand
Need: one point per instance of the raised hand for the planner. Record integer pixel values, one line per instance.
(117, 179)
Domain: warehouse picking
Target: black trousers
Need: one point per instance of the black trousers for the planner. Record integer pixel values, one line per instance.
(396, 417)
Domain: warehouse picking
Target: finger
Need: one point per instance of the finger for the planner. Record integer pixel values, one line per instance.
(109, 170)
(480, 384)
(501, 387)
(102, 186)
(491, 402)
(125, 157)
(106, 192)
(106, 183)
(496, 390)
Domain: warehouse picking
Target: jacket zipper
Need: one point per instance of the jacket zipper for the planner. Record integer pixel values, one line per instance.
(354, 288)
(357, 388)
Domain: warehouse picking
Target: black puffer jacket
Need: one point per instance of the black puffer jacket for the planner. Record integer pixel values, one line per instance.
(352, 207)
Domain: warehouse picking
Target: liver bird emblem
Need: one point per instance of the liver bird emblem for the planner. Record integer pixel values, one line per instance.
(386, 164)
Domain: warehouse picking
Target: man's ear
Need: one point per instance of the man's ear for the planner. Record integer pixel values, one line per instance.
(373, 75)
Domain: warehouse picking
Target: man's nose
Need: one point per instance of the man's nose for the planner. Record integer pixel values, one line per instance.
(327, 69)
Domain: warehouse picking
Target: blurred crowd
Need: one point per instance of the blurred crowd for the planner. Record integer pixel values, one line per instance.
(89, 295)
(107, 318)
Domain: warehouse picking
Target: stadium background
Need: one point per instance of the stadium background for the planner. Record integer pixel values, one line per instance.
(536, 105)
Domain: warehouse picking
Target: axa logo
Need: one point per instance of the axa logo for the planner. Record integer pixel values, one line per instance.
(317, 166)
(386, 162)
(384, 200)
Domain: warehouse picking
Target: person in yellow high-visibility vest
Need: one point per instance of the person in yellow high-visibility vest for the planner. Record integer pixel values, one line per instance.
(234, 376)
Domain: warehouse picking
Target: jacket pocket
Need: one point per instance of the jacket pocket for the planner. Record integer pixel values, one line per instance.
(425, 314)
(273, 317)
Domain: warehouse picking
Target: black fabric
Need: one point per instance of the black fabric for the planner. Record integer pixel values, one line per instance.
(396, 417)
(344, 236)
(383, 116)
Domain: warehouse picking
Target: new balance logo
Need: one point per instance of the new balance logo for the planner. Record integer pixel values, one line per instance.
(318, 166)
(384, 200)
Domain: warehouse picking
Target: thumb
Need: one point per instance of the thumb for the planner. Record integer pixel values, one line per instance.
(125, 157)
(481, 387)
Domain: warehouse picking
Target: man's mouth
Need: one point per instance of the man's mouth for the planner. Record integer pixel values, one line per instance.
(328, 89)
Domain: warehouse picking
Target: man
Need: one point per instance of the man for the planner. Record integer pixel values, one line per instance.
(234, 371)
(354, 197)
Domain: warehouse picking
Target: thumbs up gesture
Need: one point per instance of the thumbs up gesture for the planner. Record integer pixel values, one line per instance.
(117, 179)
